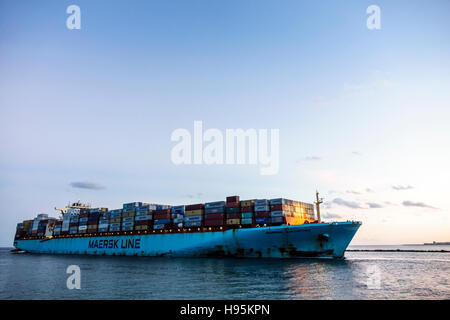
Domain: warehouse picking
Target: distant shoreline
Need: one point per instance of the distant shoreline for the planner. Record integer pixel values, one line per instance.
(394, 250)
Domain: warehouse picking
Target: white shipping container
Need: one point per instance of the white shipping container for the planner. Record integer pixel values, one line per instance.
(82, 227)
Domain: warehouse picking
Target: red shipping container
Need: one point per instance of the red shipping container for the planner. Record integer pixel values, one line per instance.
(277, 207)
(233, 215)
(232, 204)
(194, 207)
(73, 224)
(262, 214)
(142, 222)
(233, 199)
(157, 216)
(84, 215)
(214, 216)
(164, 211)
(214, 223)
(246, 209)
(92, 222)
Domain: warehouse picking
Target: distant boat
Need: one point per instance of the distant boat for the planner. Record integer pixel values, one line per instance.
(434, 243)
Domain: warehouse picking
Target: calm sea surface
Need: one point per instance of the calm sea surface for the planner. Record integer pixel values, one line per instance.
(361, 275)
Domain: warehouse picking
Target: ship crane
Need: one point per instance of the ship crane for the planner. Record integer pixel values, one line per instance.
(317, 203)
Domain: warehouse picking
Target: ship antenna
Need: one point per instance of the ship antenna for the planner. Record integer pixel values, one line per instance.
(317, 203)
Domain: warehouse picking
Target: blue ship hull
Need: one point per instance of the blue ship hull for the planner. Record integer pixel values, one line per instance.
(324, 240)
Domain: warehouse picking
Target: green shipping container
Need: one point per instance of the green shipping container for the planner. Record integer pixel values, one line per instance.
(247, 215)
(233, 210)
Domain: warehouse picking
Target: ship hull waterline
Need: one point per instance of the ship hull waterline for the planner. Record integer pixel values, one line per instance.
(318, 240)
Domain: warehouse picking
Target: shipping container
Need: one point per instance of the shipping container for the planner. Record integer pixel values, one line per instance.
(262, 220)
(233, 215)
(193, 218)
(214, 216)
(233, 221)
(233, 210)
(197, 212)
(142, 227)
(178, 210)
(262, 208)
(158, 216)
(247, 215)
(128, 219)
(216, 204)
(261, 202)
(192, 224)
(214, 223)
(247, 203)
(209, 211)
(162, 221)
(247, 209)
(143, 218)
(194, 207)
(233, 199)
(262, 214)
(276, 213)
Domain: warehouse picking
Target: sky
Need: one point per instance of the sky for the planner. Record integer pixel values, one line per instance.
(363, 115)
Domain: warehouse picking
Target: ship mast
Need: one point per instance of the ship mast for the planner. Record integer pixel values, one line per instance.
(317, 203)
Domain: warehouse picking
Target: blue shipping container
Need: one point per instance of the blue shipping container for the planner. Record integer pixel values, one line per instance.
(261, 220)
(215, 204)
(262, 208)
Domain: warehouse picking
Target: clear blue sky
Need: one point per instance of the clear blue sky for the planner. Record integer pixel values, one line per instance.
(357, 109)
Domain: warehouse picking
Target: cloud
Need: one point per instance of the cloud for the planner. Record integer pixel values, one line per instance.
(352, 192)
(408, 203)
(374, 205)
(86, 185)
(328, 215)
(356, 153)
(400, 187)
(349, 204)
(369, 190)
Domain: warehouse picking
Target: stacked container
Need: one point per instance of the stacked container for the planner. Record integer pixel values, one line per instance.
(128, 214)
(35, 231)
(215, 214)
(73, 223)
(103, 222)
(291, 212)
(177, 215)
(233, 211)
(27, 224)
(143, 219)
(42, 227)
(57, 230)
(162, 218)
(94, 217)
(115, 220)
(83, 222)
(193, 215)
(19, 230)
(262, 212)
(247, 212)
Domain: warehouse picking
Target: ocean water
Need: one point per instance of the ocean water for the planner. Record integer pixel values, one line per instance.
(361, 275)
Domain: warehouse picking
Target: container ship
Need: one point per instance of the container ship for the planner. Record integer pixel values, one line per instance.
(259, 228)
